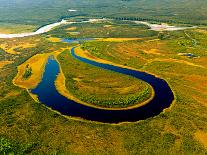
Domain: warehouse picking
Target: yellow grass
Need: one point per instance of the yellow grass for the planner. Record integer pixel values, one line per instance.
(11, 50)
(152, 51)
(60, 84)
(8, 49)
(117, 39)
(202, 101)
(177, 61)
(27, 45)
(34, 97)
(71, 28)
(107, 26)
(37, 63)
(73, 33)
(125, 90)
(12, 94)
(3, 63)
(201, 137)
(4, 30)
(53, 39)
(201, 31)
(152, 40)
(56, 53)
(86, 54)
(61, 88)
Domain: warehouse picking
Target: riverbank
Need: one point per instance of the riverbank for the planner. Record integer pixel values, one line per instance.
(163, 26)
(41, 30)
(37, 64)
(61, 87)
(49, 27)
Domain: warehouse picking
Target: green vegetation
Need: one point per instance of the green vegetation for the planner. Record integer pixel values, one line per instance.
(27, 127)
(28, 72)
(116, 52)
(100, 87)
(16, 28)
(107, 29)
(5, 146)
(40, 12)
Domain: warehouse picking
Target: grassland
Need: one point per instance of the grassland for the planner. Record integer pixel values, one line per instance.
(37, 65)
(4, 63)
(102, 30)
(27, 127)
(102, 88)
(8, 28)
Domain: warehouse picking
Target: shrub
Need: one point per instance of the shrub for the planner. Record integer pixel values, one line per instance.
(28, 72)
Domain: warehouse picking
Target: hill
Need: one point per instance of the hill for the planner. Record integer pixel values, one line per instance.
(43, 11)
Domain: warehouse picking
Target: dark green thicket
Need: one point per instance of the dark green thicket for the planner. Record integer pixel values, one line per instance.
(41, 12)
(28, 72)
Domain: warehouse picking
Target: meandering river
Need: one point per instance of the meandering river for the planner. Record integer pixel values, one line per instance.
(48, 95)
(47, 28)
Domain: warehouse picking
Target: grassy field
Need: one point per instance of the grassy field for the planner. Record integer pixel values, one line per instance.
(106, 29)
(28, 127)
(102, 88)
(7, 28)
(4, 63)
(37, 65)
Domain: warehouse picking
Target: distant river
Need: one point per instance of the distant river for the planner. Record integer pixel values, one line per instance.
(48, 95)
(41, 30)
(47, 28)
(163, 26)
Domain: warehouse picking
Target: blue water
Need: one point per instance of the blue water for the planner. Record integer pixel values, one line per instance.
(76, 40)
(49, 96)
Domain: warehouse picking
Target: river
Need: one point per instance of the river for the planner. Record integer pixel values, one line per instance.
(48, 95)
(47, 28)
